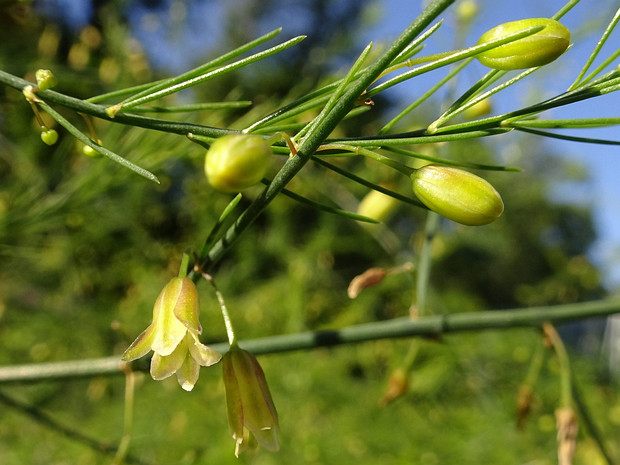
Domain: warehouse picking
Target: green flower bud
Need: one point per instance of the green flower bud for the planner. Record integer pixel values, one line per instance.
(236, 162)
(49, 136)
(534, 50)
(457, 194)
(45, 79)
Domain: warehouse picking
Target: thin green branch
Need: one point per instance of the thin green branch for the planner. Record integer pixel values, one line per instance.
(79, 135)
(599, 45)
(323, 207)
(339, 92)
(465, 102)
(427, 326)
(195, 107)
(99, 111)
(489, 126)
(123, 447)
(447, 161)
(45, 419)
(416, 44)
(590, 424)
(565, 9)
(319, 97)
(163, 83)
(566, 123)
(452, 57)
(410, 200)
(588, 140)
(170, 89)
(568, 389)
(419, 137)
(424, 263)
(454, 72)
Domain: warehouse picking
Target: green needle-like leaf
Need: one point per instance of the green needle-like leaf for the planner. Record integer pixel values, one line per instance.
(194, 107)
(410, 200)
(597, 48)
(445, 59)
(194, 80)
(323, 207)
(164, 83)
(221, 222)
(552, 135)
(79, 135)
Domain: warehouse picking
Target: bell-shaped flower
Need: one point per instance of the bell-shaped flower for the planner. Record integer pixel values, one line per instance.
(251, 412)
(173, 336)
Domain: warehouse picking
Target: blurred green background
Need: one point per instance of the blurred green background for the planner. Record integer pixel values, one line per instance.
(85, 247)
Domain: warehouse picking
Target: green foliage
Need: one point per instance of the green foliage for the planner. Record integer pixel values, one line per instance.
(85, 247)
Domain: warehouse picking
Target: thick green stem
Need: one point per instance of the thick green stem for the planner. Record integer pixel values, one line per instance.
(427, 326)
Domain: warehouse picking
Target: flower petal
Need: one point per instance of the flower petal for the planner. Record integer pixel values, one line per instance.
(245, 442)
(267, 438)
(188, 373)
(186, 308)
(141, 346)
(164, 366)
(202, 354)
(259, 409)
(169, 331)
(234, 407)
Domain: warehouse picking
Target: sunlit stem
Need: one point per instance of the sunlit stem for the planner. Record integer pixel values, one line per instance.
(183, 267)
(37, 115)
(31, 98)
(123, 446)
(535, 367)
(424, 264)
(91, 127)
(232, 339)
(566, 397)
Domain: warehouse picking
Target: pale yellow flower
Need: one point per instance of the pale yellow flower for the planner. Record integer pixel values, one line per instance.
(173, 336)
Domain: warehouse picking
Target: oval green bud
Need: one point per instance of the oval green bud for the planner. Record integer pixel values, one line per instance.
(49, 136)
(45, 79)
(534, 50)
(457, 194)
(236, 162)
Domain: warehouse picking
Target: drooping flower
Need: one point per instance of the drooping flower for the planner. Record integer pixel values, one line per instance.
(251, 411)
(173, 336)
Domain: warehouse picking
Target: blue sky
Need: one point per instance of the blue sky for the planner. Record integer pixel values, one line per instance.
(603, 162)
